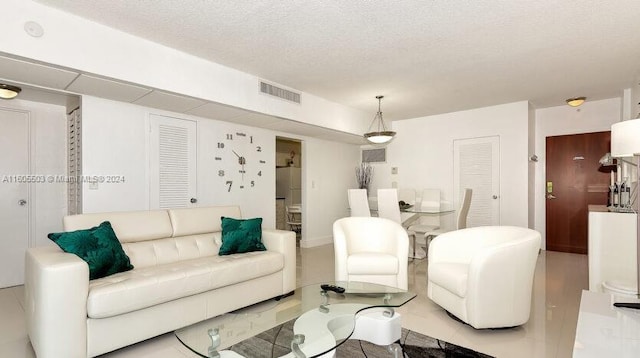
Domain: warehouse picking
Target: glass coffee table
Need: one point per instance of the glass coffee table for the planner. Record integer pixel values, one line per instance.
(310, 323)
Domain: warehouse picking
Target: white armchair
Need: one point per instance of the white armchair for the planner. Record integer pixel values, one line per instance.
(484, 275)
(371, 250)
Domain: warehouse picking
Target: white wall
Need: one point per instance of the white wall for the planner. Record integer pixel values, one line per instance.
(423, 153)
(115, 54)
(328, 171)
(115, 142)
(592, 116)
(48, 201)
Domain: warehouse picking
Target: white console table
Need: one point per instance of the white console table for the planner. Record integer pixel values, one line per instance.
(604, 330)
(612, 248)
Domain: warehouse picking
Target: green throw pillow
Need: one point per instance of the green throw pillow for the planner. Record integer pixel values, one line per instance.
(98, 246)
(240, 236)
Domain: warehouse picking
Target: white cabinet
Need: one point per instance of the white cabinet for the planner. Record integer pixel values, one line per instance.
(612, 248)
(289, 185)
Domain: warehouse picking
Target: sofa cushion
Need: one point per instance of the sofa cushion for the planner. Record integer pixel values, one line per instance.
(372, 263)
(129, 226)
(172, 249)
(239, 236)
(98, 246)
(450, 276)
(149, 286)
(194, 221)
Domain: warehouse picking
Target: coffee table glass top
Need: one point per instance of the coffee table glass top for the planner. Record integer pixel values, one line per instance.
(208, 337)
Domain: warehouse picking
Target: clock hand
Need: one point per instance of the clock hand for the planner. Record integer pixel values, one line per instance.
(234, 152)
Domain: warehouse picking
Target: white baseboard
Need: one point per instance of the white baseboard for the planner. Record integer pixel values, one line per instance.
(316, 241)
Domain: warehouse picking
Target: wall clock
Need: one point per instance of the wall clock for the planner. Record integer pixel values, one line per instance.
(239, 160)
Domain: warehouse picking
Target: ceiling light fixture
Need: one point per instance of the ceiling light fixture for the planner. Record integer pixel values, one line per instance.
(9, 91)
(381, 135)
(575, 102)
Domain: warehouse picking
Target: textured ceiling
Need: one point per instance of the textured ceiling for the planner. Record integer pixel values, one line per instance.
(426, 57)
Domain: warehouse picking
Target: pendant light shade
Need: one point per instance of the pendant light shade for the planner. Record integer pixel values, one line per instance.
(9, 91)
(380, 135)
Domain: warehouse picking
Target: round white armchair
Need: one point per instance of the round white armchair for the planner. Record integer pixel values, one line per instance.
(484, 275)
(371, 249)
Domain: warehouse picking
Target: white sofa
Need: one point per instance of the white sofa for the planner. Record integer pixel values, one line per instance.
(484, 275)
(178, 279)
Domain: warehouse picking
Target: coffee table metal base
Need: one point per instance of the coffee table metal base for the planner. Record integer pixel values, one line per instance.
(380, 326)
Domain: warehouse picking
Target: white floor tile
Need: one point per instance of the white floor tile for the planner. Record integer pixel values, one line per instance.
(549, 333)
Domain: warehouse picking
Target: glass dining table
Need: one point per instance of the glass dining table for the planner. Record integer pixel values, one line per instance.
(411, 214)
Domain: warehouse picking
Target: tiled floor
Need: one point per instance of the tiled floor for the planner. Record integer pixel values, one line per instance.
(549, 333)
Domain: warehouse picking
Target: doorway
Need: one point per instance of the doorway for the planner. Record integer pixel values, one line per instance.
(14, 194)
(289, 185)
(574, 180)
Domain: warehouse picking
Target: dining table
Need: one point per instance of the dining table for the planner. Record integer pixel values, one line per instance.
(411, 214)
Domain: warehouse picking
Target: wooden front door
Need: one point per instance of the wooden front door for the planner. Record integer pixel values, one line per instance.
(574, 181)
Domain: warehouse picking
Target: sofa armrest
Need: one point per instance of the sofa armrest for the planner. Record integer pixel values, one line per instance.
(284, 242)
(56, 290)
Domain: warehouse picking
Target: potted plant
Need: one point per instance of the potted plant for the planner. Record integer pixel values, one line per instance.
(364, 173)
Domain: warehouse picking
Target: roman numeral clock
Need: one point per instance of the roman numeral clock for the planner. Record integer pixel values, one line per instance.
(240, 161)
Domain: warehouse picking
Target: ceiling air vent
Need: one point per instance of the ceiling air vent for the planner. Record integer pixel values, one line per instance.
(282, 93)
(374, 155)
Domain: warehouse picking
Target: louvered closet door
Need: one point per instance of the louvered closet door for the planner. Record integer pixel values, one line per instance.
(476, 164)
(173, 162)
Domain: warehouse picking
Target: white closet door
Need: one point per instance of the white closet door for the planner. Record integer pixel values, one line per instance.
(14, 195)
(476, 164)
(173, 162)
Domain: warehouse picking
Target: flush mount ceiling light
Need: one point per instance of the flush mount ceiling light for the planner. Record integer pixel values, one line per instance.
(575, 102)
(381, 134)
(9, 91)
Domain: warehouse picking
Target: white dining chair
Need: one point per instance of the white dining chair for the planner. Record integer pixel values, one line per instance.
(388, 208)
(461, 221)
(294, 218)
(407, 195)
(358, 202)
(427, 223)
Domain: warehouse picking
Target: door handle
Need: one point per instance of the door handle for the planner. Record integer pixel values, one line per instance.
(22, 202)
(495, 197)
(550, 196)
(193, 200)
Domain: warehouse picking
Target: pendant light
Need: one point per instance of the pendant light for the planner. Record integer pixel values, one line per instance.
(9, 91)
(381, 135)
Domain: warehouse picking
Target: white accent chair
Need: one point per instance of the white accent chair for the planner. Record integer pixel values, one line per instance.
(358, 202)
(484, 275)
(371, 250)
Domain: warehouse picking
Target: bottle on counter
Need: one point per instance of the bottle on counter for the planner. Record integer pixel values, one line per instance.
(616, 196)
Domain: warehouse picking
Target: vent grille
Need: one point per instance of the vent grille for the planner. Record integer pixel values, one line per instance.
(174, 166)
(378, 155)
(282, 93)
(74, 160)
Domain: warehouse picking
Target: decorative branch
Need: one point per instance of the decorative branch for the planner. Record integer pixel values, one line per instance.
(364, 173)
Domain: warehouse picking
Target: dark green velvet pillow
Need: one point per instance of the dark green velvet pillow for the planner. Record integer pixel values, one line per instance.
(240, 236)
(98, 246)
